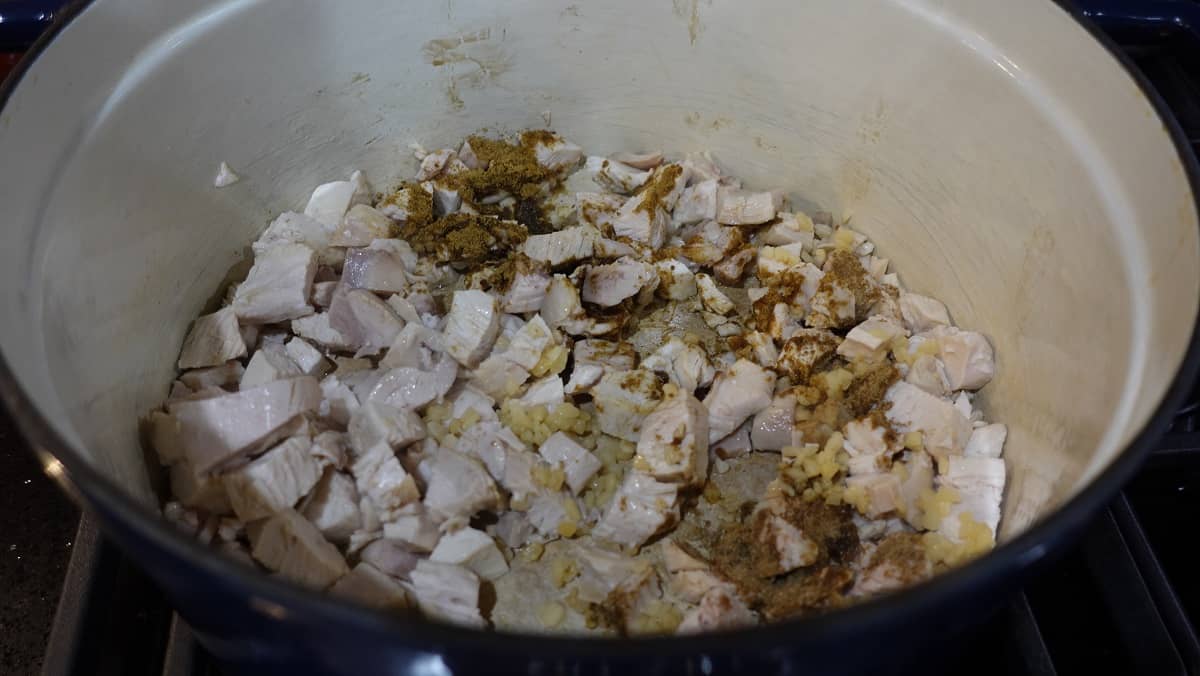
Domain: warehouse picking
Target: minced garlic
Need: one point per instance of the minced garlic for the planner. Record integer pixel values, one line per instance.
(551, 614)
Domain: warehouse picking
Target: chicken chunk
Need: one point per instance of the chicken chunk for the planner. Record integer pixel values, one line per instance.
(448, 593)
(554, 152)
(737, 393)
(213, 340)
(880, 493)
(719, 609)
(330, 201)
(318, 329)
(332, 507)
(674, 440)
(712, 242)
(577, 462)
(375, 422)
(980, 485)
(274, 481)
(793, 549)
(270, 362)
(712, 297)
(211, 380)
(527, 288)
(697, 202)
(361, 225)
(675, 280)
(414, 388)
(391, 557)
(307, 358)
(870, 340)
(739, 207)
(219, 429)
(987, 441)
(471, 327)
(291, 546)
(562, 247)
(641, 508)
(608, 285)
(278, 285)
(944, 429)
(623, 399)
(381, 478)
(472, 549)
(735, 444)
(642, 221)
(200, 491)
(791, 228)
(377, 270)
(414, 526)
(369, 586)
(459, 485)
(365, 321)
(928, 373)
(294, 228)
(615, 176)
(922, 313)
(967, 356)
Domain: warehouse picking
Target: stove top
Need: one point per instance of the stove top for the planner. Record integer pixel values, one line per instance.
(1126, 600)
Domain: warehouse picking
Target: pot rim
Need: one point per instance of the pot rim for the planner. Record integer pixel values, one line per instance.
(1009, 558)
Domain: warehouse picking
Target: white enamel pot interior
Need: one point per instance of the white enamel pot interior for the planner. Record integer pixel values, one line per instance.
(998, 154)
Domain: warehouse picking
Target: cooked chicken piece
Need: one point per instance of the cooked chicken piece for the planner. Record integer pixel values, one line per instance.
(332, 507)
(980, 485)
(944, 429)
(642, 221)
(881, 493)
(201, 491)
(674, 440)
(987, 441)
(870, 340)
(433, 163)
(736, 394)
(414, 526)
(329, 448)
(711, 296)
(270, 362)
(361, 225)
(641, 508)
(675, 280)
(561, 247)
(365, 321)
(928, 373)
(495, 444)
(459, 485)
(740, 207)
(498, 377)
(471, 327)
(639, 160)
(554, 152)
(719, 609)
(791, 228)
(527, 345)
(608, 285)
(731, 270)
(583, 378)
(291, 546)
(448, 593)
(413, 347)
(219, 429)
(527, 288)
(278, 285)
(697, 202)
(211, 380)
(916, 480)
(274, 481)
(615, 176)
(865, 438)
(375, 422)
(369, 586)
(317, 329)
(761, 348)
(686, 366)
(774, 425)
(163, 431)
(338, 401)
(922, 313)
(561, 305)
(472, 549)
(375, 270)
(612, 355)
(547, 509)
(381, 478)
(308, 358)
(513, 529)
(214, 339)
(967, 356)
(395, 205)
(792, 547)
(895, 563)
(598, 209)
(391, 557)
(297, 228)
(712, 243)
(623, 399)
(330, 201)
(736, 444)
(548, 392)
(774, 261)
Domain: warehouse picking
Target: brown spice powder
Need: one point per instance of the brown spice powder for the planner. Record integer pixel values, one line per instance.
(655, 192)
(464, 238)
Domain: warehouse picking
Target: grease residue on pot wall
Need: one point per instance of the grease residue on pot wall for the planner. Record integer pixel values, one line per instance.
(471, 60)
(689, 11)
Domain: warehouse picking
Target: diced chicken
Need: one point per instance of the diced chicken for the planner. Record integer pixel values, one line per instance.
(496, 445)
(433, 163)
(598, 209)
(291, 546)
(615, 176)
(548, 392)
(318, 329)
(225, 176)
(612, 355)
(792, 228)
(471, 327)
(361, 225)
(214, 339)
(211, 379)
(278, 285)
(740, 207)
(685, 365)
(448, 593)
(583, 378)
(602, 572)
(881, 493)
(712, 297)
(472, 549)
(413, 388)
(338, 401)
(391, 557)
(513, 529)
(880, 573)
(623, 399)
(674, 440)
(697, 202)
(270, 362)
(369, 586)
(732, 269)
(761, 348)
(297, 228)
(332, 507)
(218, 429)
(274, 481)
(916, 480)
(639, 160)
(396, 205)
(980, 484)
(773, 426)
(642, 221)
(375, 422)
(554, 152)
(719, 609)
(527, 288)
(577, 462)
(922, 313)
(737, 393)
(735, 444)
(308, 358)
(987, 441)
(498, 377)
(641, 508)
(381, 478)
(561, 247)
(967, 356)
(378, 270)
(365, 321)
(675, 280)
(608, 285)
(774, 262)
(712, 243)
(200, 491)
(329, 449)
(928, 373)
(944, 429)
(870, 340)
(527, 345)
(793, 549)
(415, 526)
(330, 201)
(459, 485)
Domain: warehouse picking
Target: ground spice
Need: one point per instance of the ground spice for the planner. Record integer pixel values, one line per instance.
(866, 391)
(512, 168)
(654, 193)
(844, 269)
(464, 238)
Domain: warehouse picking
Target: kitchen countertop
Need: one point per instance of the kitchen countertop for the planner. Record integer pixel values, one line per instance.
(37, 525)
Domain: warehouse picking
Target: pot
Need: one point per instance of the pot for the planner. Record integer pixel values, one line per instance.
(998, 153)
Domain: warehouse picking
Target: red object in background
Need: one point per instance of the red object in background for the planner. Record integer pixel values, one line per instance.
(7, 61)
